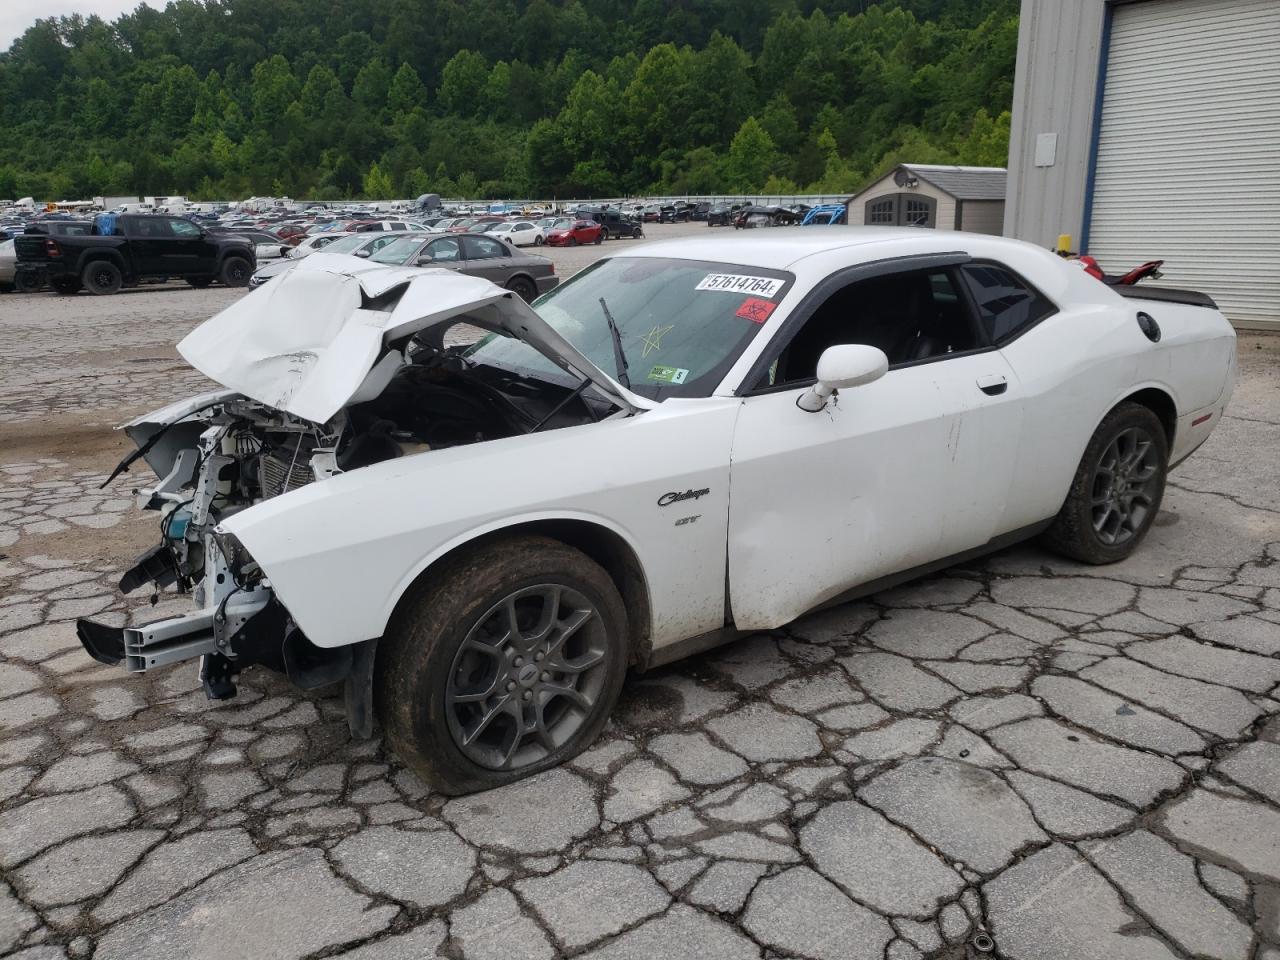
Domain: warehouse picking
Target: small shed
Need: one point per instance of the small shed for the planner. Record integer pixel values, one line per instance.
(929, 195)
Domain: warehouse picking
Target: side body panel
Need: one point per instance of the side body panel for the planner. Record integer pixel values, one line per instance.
(340, 553)
(1078, 364)
(896, 474)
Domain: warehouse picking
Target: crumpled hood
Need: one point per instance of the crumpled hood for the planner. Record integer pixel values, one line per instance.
(317, 337)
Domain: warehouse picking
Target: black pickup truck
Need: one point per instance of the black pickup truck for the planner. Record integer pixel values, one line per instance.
(134, 248)
(614, 223)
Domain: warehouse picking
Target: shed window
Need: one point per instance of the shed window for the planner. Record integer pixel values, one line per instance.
(901, 210)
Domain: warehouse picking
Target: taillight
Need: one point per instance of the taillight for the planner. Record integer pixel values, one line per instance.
(51, 248)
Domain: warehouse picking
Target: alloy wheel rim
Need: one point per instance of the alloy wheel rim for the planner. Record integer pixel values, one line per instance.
(1124, 488)
(526, 677)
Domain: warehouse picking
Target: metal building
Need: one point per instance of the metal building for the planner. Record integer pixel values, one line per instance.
(932, 195)
(1150, 129)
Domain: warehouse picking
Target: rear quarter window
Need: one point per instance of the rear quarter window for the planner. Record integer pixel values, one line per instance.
(1007, 305)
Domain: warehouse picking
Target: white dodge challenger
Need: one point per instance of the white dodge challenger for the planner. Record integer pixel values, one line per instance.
(687, 442)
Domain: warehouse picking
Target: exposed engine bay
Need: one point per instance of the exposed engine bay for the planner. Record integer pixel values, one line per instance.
(236, 452)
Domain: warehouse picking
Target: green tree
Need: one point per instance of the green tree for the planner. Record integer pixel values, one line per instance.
(377, 185)
(751, 156)
(463, 78)
(407, 91)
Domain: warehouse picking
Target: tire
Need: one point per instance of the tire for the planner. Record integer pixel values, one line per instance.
(604, 234)
(599, 239)
(538, 241)
(66, 287)
(1099, 524)
(25, 283)
(446, 677)
(102, 278)
(235, 272)
(571, 242)
(523, 287)
(637, 233)
(200, 283)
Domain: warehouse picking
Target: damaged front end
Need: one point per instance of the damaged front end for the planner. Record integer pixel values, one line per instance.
(240, 453)
(336, 366)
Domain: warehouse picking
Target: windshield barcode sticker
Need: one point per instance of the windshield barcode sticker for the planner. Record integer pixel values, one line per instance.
(740, 283)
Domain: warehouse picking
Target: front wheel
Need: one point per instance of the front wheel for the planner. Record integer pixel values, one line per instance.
(235, 272)
(637, 233)
(507, 662)
(1117, 489)
(573, 242)
(102, 278)
(599, 239)
(538, 241)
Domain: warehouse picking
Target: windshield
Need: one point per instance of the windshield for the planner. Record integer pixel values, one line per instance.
(682, 323)
(398, 251)
(347, 244)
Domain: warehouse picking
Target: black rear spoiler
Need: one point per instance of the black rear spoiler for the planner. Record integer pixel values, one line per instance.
(1166, 295)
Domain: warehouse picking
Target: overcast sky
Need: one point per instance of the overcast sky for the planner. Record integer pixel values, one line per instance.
(17, 15)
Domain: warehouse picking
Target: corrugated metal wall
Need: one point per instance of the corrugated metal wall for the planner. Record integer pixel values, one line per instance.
(1188, 162)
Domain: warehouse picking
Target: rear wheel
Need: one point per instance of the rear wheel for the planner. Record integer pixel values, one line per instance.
(25, 283)
(1116, 492)
(507, 663)
(523, 287)
(235, 272)
(102, 278)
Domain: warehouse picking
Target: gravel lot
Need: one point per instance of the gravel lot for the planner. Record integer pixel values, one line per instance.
(1076, 762)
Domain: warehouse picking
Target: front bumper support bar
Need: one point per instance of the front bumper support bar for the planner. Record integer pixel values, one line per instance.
(151, 645)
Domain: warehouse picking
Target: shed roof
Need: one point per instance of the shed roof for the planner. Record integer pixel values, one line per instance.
(963, 183)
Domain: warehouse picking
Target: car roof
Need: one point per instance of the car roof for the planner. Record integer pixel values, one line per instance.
(780, 249)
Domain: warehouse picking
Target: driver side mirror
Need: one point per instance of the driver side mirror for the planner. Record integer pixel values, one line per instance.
(840, 367)
(425, 259)
(362, 253)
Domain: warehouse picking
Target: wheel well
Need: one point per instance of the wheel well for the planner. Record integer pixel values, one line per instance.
(98, 256)
(599, 543)
(1162, 405)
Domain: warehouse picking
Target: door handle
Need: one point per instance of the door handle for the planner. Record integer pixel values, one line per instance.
(993, 384)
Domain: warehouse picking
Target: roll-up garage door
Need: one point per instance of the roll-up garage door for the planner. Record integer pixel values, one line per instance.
(1188, 163)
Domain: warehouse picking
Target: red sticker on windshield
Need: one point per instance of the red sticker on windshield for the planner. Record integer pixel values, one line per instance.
(755, 309)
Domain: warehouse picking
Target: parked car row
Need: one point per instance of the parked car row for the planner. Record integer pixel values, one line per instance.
(477, 255)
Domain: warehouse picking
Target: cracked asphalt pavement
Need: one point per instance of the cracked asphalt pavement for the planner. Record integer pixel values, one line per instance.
(1020, 757)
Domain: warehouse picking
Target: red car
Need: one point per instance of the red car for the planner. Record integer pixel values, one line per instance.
(580, 231)
(464, 226)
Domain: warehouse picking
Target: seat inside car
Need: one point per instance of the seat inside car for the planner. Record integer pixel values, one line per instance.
(911, 317)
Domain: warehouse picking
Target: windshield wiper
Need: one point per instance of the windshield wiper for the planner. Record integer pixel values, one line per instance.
(619, 358)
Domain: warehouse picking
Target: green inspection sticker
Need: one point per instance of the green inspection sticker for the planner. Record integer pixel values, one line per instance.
(668, 374)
